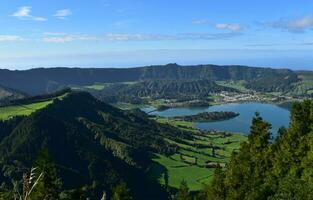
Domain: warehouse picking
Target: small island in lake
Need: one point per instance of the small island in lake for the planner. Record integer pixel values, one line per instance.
(208, 116)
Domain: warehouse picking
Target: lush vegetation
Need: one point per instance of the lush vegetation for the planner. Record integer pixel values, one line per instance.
(7, 95)
(94, 146)
(196, 159)
(305, 86)
(81, 148)
(8, 112)
(265, 169)
(86, 148)
(163, 89)
(208, 116)
(238, 85)
(273, 82)
(37, 81)
(26, 106)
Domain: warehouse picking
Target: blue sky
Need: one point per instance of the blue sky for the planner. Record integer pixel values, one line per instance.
(125, 33)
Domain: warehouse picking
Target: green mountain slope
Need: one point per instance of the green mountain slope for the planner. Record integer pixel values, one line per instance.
(36, 81)
(90, 143)
(7, 95)
(305, 85)
(28, 105)
(158, 89)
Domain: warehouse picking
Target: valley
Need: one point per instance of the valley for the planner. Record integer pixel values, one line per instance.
(169, 154)
(170, 85)
(197, 159)
(159, 123)
(156, 100)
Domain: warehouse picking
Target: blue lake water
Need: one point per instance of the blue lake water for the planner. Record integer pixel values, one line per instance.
(276, 115)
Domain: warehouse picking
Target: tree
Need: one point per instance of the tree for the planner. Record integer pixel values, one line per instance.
(218, 187)
(248, 167)
(213, 152)
(183, 193)
(7, 193)
(49, 187)
(216, 190)
(264, 169)
(121, 192)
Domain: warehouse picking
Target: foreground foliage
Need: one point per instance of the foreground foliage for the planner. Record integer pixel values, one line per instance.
(281, 169)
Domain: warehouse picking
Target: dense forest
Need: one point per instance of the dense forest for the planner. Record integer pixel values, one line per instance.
(208, 116)
(42, 80)
(80, 147)
(91, 146)
(7, 95)
(270, 169)
(159, 89)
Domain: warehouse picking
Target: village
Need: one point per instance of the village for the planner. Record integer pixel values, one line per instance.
(231, 97)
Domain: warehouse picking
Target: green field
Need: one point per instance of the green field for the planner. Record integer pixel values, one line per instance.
(24, 109)
(98, 86)
(305, 86)
(192, 162)
(238, 85)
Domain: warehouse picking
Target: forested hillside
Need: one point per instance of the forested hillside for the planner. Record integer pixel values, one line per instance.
(158, 89)
(7, 95)
(265, 169)
(87, 147)
(37, 81)
(93, 146)
(305, 86)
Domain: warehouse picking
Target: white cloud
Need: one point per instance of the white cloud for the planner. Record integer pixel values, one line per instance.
(120, 37)
(63, 14)
(54, 34)
(200, 21)
(4, 38)
(231, 27)
(136, 37)
(159, 37)
(295, 25)
(39, 19)
(24, 13)
(63, 38)
(208, 36)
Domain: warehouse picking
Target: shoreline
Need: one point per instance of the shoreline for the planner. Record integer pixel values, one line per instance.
(217, 104)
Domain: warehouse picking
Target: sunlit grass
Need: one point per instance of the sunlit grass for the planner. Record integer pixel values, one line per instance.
(24, 109)
(189, 163)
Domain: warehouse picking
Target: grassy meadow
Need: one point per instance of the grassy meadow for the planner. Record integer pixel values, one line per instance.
(196, 160)
(99, 86)
(238, 85)
(8, 112)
